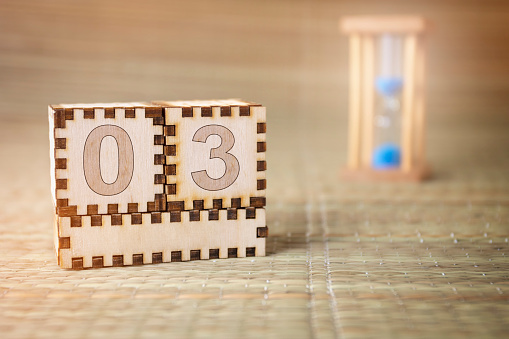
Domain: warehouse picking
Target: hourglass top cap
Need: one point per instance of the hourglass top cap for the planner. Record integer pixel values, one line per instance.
(375, 24)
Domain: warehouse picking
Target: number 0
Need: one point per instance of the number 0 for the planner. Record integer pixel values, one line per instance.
(92, 161)
(201, 178)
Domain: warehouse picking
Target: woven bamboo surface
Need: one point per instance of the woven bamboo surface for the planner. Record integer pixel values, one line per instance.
(344, 260)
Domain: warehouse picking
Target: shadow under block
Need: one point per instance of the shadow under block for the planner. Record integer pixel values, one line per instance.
(215, 154)
(157, 237)
(105, 158)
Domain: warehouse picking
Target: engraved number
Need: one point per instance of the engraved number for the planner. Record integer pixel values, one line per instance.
(201, 178)
(92, 160)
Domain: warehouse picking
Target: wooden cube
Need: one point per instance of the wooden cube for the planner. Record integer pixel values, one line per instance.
(215, 154)
(137, 183)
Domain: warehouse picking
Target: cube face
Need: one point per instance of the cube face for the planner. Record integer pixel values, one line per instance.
(104, 159)
(139, 183)
(215, 154)
(165, 240)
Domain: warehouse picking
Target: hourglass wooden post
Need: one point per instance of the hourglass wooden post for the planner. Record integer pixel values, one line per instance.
(386, 101)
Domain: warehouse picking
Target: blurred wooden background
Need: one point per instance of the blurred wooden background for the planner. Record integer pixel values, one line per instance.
(286, 54)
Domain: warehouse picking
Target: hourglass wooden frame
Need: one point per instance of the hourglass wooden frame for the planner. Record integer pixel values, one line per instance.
(362, 32)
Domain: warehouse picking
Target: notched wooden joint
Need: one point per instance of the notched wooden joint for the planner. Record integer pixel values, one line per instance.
(76, 221)
(60, 163)
(159, 139)
(69, 114)
(98, 262)
(194, 215)
(170, 150)
(118, 260)
(159, 159)
(159, 179)
(92, 209)
(67, 211)
(88, 113)
(261, 147)
(176, 256)
(138, 259)
(213, 214)
(170, 169)
(198, 204)
(175, 206)
(236, 203)
(59, 118)
(232, 252)
(153, 112)
(261, 184)
(132, 207)
(158, 121)
(130, 113)
(109, 113)
(62, 202)
(257, 201)
(250, 251)
(116, 219)
(187, 112)
(261, 165)
(112, 208)
(244, 111)
(157, 257)
(250, 213)
(231, 214)
(226, 111)
(195, 254)
(64, 243)
(96, 220)
(77, 263)
(206, 111)
(169, 130)
(60, 143)
(262, 232)
(214, 253)
(217, 204)
(61, 184)
(175, 216)
(171, 189)
(136, 219)
(155, 218)
(261, 127)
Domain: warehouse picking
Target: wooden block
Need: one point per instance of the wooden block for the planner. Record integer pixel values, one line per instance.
(106, 155)
(135, 244)
(138, 183)
(215, 152)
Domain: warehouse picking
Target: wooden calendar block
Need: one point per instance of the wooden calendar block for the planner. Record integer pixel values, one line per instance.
(215, 154)
(138, 183)
(145, 238)
(107, 158)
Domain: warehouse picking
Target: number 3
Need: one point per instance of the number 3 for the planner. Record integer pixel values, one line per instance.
(201, 178)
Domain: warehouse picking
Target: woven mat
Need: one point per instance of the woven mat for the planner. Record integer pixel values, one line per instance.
(344, 260)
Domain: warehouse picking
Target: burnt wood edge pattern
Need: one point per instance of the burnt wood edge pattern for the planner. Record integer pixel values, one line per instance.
(61, 115)
(156, 217)
(157, 258)
(206, 111)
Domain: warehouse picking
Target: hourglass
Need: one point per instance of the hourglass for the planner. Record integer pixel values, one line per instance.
(386, 126)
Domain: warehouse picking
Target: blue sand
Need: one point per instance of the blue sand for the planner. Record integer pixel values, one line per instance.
(386, 156)
(388, 86)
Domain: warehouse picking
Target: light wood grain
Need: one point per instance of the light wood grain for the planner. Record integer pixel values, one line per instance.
(141, 188)
(165, 237)
(192, 157)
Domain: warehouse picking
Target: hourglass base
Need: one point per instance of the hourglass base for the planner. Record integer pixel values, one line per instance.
(416, 174)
